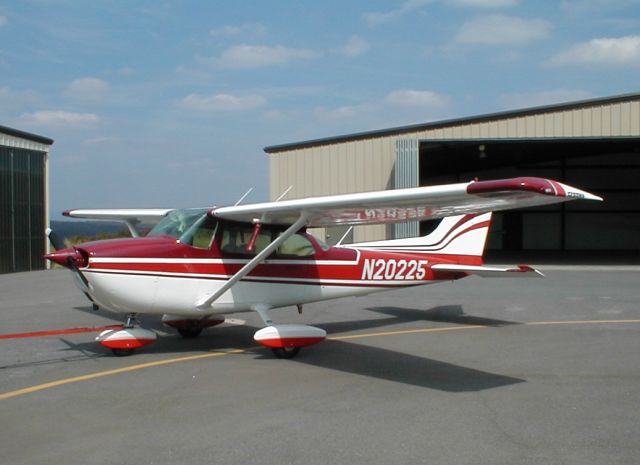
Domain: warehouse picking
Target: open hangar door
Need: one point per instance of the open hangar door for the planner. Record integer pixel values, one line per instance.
(606, 231)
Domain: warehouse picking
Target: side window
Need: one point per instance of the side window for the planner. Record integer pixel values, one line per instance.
(204, 236)
(200, 235)
(236, 238)
(297, 245)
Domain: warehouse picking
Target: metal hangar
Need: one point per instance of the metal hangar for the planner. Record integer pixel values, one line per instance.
(24, 200)
(591, 144)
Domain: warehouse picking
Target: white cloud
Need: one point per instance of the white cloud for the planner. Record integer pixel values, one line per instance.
(59, 118)
(98, 140)
(88, 88)
(546, 97)
(587, 6)
(3, 20)
(402, 105)
(231, 31)
(339, 113)
(222, 102)
(620, 51)
(501, 29)
(416, 98)
(379, 17)
(483, 3)
(260, 56)
(354, 47)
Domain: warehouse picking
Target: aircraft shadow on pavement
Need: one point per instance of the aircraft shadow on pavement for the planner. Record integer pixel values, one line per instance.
(443, 314)
(348, 357)
(380, 363)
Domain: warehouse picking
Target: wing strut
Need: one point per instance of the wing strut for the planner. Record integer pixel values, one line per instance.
(255, 261)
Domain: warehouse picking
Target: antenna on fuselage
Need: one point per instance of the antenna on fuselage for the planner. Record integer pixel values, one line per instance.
(284, 193)
(242, 198)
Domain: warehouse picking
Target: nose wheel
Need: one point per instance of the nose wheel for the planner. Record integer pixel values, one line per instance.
(123, 342)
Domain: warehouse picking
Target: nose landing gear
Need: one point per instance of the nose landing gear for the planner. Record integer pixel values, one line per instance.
(124, 341)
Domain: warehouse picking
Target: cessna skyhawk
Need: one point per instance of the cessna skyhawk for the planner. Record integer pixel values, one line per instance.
(197, 265)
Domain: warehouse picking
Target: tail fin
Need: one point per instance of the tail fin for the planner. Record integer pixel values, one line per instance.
(461, 237)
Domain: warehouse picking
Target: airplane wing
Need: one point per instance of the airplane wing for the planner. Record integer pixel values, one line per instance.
(420, 203)
(130, 216)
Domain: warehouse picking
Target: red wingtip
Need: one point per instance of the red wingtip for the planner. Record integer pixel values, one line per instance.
(539, 185)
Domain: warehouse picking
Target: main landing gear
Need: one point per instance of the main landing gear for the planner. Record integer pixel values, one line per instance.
(285, 341)
(124, 341)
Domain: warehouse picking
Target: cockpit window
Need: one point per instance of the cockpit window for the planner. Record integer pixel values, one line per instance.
(236, 238)
(177, 222)
(201, 234)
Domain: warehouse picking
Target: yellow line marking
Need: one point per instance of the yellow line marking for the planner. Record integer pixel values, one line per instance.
(407, 331)
(578, 322)
(116, 371)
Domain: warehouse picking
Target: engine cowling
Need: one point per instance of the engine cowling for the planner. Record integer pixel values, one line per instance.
(287, 336)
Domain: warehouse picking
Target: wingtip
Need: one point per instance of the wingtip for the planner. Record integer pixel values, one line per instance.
(574, 192)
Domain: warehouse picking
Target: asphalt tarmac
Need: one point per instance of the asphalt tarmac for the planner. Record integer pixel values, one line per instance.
(480, 371)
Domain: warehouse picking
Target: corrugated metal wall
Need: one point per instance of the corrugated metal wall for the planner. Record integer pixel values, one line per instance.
(22, 209)
(367, 164)
(406, 175)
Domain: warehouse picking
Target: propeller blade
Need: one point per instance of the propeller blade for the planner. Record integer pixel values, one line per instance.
(56, 241)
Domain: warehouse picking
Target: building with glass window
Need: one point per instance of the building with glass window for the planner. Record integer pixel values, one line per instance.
(592, 144)
(24, 200)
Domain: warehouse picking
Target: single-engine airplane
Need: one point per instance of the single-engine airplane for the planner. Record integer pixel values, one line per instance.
(196, 265)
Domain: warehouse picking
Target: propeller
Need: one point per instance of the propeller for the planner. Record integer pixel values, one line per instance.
(56, 241)
(68, 257)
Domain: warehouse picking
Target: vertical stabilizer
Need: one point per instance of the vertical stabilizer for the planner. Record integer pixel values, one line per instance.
(461, 237)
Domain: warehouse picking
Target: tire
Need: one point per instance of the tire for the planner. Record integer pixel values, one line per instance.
(190, 332)
(286, 352)
(122, 352)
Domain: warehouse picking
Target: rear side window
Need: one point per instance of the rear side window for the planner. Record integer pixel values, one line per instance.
(296, 246)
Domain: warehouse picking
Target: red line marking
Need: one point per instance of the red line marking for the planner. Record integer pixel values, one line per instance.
(55, 332)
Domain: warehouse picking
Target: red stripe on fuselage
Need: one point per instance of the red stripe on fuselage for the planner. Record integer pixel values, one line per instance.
(288, 272)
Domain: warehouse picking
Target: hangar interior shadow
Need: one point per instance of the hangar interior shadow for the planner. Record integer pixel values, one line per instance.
(603, 232)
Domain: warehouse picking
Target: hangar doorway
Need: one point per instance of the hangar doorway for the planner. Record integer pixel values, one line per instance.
(609, 167)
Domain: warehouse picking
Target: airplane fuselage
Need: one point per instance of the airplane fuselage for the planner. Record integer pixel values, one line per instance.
(159, 275)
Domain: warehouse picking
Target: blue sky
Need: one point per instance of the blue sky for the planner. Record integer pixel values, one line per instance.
(169, 104)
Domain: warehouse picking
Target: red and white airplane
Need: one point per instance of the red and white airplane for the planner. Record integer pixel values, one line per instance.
(197, 265)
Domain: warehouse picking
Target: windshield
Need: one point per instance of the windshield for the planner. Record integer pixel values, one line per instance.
(177, 222)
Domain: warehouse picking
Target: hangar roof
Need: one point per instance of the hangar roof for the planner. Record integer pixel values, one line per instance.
(25, 135)
(453, 122)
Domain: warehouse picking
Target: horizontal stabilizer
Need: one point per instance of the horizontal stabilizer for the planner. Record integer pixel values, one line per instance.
(141, 215)
(521, 271)
(130, 216)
